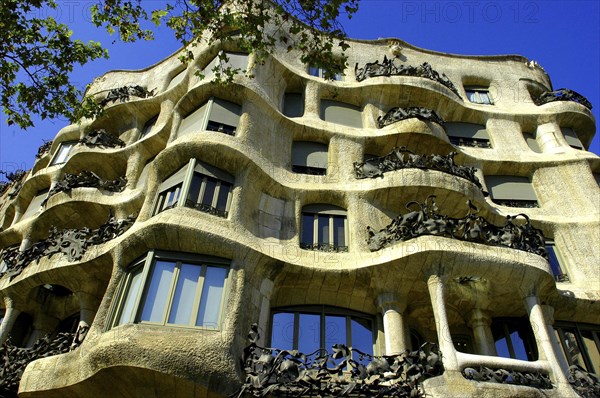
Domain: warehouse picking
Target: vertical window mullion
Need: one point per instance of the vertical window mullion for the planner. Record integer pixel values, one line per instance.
(511, 348)
(202, 189)
(172, 287)
(199, 287)
(215, 197)
(296, 330)
(148, 263)
(564, 346)
(349, 331)
(206, 116)
(583, 349)
(322, 331)
(185, 184)
(331, 230)
(316, 229)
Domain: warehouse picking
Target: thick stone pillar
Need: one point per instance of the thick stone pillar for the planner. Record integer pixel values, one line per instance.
(438, 302)
(542, 330)
(392, 309)
(10, 316)
(480, 323)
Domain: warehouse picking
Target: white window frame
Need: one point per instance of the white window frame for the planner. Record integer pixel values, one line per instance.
(147, 266)
(178, 190)
(479, 95)
(562, 275)
(204, 124)
(63, 153)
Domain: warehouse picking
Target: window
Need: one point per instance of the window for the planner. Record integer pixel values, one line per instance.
(198, 186)
(324, 228)
(148, 127)
(322, 73)
(214, 115)
(235, 61)
(468, 134)
(293, 105)
(555, 260)
(63, 152)
(479, 95)
(511, 191)
(571, 138)
(532, 142)
(514, 339)
(35, 206)
(341, 113)
(311, 328)
(309, 158)
(580, 344)
(173, 289)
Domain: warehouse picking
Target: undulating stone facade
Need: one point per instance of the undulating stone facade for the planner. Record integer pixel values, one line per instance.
(431, 220)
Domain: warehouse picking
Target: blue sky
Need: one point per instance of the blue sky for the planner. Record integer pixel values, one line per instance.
(562, 36)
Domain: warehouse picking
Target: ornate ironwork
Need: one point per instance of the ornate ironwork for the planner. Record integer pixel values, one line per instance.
(426, 220)
(86, 179)
(101, 138)
(396, 114)
(43, 149)
(586, 384)
(206, 208)
(124, 93)
(402, 158)
(13, 180)
(324, 247)
(13, 360)
(503, 376)
(71, 242)
(529, 204)
(345, 372)
(562, 94)
(388, 68)
(470, 142)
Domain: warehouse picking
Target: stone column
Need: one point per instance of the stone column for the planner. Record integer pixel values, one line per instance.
(438, 302)
(542, 330)
(480, 323)
(10, 316)
(391, 308)
(88, 305)
(547, 139)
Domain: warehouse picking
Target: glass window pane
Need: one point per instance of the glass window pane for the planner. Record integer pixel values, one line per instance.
(335, 331)
(518, 346)
(339, 232)
(282, 332)
(132, 290)
(323, 229)
(362, 337)
(158, 292)
(223, 195)
(194, 190)
(313, 71)
(472, 96)
(308, 228)
(502, 348)
(484, 98)
(173, 196)
(185, 292)
(553, 260)
(212, 295)
(63, 153)
(309, 333)
(209, 191)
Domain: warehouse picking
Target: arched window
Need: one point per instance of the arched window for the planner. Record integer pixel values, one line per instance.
(324, 228)
(198, 186)
(310, 328)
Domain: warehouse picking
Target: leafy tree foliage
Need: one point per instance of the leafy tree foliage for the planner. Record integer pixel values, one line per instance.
(36, 57)
(38, 53)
